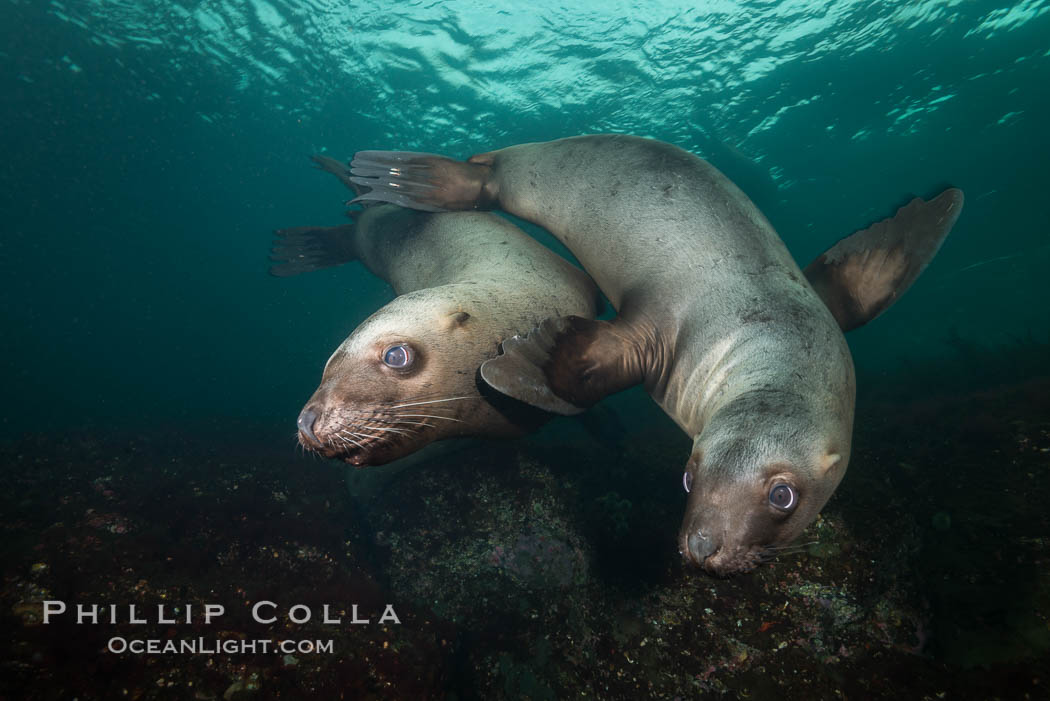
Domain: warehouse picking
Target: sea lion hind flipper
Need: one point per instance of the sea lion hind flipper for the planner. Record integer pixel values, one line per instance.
(336, 168)
(863, 274)
(564, 365)
(423, 181)
(342, 171)
(303, 249)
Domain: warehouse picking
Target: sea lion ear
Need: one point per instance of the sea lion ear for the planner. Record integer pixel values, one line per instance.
(863, 274)
(829, 461)
(457, 318)
(565, 364)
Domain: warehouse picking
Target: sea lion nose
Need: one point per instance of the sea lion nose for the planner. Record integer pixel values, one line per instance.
(306, 422)
(701, 546)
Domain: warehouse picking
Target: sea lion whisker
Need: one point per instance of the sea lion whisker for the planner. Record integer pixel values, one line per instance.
(419, 397)
(347, 433)
(775, 551)
(345, 438)
(429, 416)
(449, 409)
(432, 401)
(386, 419)
(792, 546)
(389, 410)
(364, 435)
(770, 554)
(413, 423)
(367, 435)
(403, 432)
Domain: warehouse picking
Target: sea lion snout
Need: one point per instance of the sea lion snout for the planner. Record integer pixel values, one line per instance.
(717, 553)
(699, 546)
(703, 532)
(307, 420)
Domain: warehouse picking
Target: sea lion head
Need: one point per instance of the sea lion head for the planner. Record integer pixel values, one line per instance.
(404, 378)
(758, 475)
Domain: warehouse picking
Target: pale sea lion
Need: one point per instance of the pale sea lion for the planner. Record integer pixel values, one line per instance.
(407, 375)
(715, 318)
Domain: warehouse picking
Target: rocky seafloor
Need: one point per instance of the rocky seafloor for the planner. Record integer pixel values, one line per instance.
(545, 568)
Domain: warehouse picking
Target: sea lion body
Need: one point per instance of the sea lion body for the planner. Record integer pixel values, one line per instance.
(678, 248)
(731, 340)
(715, 319)
(465, 282)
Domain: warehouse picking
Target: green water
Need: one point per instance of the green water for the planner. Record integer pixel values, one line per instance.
(150, 147)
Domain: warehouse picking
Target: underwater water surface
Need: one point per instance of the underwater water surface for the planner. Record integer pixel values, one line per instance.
(154, 370)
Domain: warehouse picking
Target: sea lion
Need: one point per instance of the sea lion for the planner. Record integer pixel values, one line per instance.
(715, 318)
(407, 375)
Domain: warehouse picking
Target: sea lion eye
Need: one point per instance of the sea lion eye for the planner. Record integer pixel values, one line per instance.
(687, 481)
(398, 357)
(783, 497)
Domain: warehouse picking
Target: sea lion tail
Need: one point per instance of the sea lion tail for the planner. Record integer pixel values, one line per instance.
(423, 181)
(863, 274)
(302, 249)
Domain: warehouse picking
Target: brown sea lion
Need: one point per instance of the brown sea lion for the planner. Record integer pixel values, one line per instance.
(715, 318)
(407, 375)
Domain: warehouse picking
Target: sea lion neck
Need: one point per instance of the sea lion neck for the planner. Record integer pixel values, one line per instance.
(735, 365)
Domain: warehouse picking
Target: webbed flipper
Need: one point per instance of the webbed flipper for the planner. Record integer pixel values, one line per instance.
(422, 181)
(306, 248)
(863, 274)
(336, 168)
(565, 364)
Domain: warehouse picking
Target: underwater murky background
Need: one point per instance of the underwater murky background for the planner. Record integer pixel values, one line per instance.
(153, 370)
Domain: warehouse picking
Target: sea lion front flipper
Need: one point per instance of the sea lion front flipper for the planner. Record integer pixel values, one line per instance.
(303, 249)
(422, 181)
(565, 364)
(863, 274)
